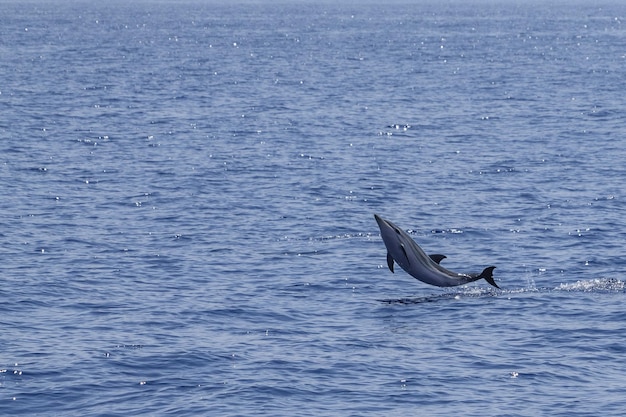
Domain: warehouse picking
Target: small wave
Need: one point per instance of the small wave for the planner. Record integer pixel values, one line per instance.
(395, 129)
(443, 231)
(325, 238)
(470, 292)
(600, 114)
(403, 127)
(598, 284)
(310, 157)
(420, 300)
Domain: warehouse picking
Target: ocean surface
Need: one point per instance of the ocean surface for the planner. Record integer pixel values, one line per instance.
(188, 197)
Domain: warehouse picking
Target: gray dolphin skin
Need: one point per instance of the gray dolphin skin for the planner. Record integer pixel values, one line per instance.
(402, 249)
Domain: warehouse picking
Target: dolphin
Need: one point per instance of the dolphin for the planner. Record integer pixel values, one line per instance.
(406, 253)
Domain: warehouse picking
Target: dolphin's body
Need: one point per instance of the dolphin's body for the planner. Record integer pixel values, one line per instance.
(406, 253)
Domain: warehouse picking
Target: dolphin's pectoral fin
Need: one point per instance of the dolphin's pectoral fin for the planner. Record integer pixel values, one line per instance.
(487, 274)
(390, 261)
(437, 258)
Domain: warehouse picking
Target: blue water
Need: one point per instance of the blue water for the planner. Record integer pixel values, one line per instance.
(188, 193)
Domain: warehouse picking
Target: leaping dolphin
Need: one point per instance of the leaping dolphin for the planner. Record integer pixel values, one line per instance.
(406, 253)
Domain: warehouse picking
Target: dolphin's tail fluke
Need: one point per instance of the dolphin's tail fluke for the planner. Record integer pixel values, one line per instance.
(487, 274)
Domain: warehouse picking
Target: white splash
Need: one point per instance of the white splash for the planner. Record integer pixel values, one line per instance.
(597, 284)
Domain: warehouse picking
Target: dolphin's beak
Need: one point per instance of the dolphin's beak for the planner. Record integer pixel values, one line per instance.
(385, 226)
(381, 222)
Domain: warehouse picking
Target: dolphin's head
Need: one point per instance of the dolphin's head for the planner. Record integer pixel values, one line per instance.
(386, 228)
(390, 233)
(396, 242)
(386, 225)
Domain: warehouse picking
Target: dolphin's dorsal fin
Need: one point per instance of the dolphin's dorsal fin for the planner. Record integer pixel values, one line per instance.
(437, 257)
(390, 261)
